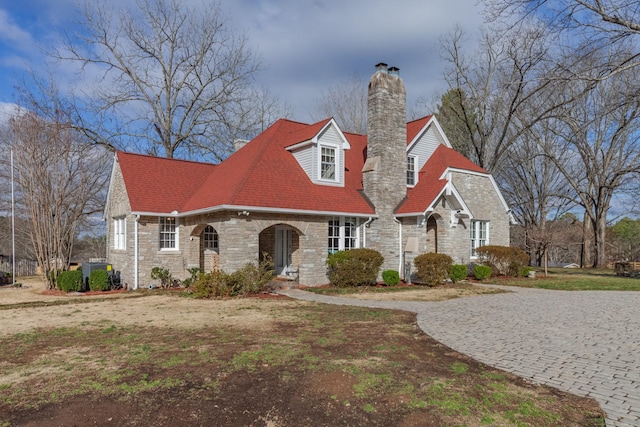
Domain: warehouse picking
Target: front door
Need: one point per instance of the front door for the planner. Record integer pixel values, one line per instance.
(283, 250)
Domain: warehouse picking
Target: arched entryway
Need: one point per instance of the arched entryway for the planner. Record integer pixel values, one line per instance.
(281, 242)
(209, 252)
(432, 234)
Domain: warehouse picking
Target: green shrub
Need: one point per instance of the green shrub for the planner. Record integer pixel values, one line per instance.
(211, 285)
(458, 272)
(355, 267)
(70, 281)
(194, 272)
(252, 278)
(524, 271)
(52, 278)
(99, 280)
(481, 272)
(391, 277)
(162, 274)
(433, 269)
(504, 260)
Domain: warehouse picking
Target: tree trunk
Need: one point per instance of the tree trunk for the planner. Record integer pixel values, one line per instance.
(600, 259)
(587, 234)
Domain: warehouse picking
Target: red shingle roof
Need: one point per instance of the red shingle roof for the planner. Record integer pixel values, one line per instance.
(429, 185)
(264, 174)
(148, 179)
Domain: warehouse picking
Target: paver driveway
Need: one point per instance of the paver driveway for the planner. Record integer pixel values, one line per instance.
(584, 342)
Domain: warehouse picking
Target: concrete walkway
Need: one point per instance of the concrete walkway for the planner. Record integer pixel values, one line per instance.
(583, 342)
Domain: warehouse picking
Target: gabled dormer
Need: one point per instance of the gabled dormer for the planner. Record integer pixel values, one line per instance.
(321, 153)
(424, 136)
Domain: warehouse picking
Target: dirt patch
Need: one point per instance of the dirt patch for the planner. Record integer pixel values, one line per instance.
(413, 292)
(166, 360)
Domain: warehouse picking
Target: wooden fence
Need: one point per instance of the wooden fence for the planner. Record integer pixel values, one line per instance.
(24, 267)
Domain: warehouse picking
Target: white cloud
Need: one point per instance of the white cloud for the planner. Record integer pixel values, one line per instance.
(10, 31)
(307, 45)
(310, 45)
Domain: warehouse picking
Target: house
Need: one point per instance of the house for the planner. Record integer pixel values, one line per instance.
(301, 191)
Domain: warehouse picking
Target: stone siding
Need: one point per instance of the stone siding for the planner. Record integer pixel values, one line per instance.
(240, 241)
(384, 176)
(437, 234)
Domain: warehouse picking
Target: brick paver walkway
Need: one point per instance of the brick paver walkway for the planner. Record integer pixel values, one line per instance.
(583, 342)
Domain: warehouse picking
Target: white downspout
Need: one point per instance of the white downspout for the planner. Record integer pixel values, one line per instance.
(400, 254)
(135, 253)
(364, 231)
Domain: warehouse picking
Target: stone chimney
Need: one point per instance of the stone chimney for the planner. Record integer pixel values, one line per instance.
(384, 173)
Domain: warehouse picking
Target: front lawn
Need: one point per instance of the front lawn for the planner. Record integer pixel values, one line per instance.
(164, 360)
(569, 279)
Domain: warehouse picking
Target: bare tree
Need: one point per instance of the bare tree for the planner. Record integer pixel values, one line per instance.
(588, 26)
(536, 190)
(173, 76)
(347, 103)
(60, 177)
(598, 133)
(495, 87)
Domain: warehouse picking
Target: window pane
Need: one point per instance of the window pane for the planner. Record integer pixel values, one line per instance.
(210, 238)
(350, 232)
(119, 233)
(411, 170)
(478, 235)
(334, 235)
(167, 233)
(328, 163)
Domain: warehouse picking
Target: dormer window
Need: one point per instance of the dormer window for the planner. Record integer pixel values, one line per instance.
(411, 171)
(322, 155)
(328, 163)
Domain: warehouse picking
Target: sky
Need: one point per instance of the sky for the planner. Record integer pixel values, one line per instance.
(307, 46)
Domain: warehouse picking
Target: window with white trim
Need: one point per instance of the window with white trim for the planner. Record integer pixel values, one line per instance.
(119, 233)
(168, 233)
(334, 235)
(344, 233)
(328, 163)
(479, 235)
(210, 238)
(411, 171)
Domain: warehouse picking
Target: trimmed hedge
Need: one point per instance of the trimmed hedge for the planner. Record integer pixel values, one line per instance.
(433, 269)
(391, 277)
(355, 267)
(524, 271)
(481, 272)
(458, 272)
(504, 260)
(99, 280)
(70, 281)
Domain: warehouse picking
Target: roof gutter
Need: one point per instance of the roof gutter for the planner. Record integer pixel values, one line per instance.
(243, 209)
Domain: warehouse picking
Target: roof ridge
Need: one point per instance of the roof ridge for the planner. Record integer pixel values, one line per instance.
(151, 156)
(255, 159)
(428, 116)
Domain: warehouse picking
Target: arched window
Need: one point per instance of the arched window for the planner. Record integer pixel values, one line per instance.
(210, 238)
